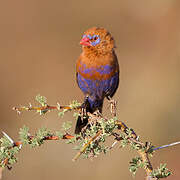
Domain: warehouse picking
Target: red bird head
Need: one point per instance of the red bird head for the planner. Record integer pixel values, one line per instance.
(97, 40)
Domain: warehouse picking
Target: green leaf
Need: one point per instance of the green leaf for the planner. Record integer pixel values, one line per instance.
(24, 135)
(71, 141)
(74, 104)
(161, 172)
(41, 99)
(61, 114)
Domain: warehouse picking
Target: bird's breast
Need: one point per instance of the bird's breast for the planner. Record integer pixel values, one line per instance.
(97, 69)
(102, 72)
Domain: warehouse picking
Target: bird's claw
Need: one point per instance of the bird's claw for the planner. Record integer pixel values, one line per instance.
(113, 105)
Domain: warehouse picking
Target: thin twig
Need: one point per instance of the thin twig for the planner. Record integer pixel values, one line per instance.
(86, 145)
(44, 108)
(167, 145)
(113, 144)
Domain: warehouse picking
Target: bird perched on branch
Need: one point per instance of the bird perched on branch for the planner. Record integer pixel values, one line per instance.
(97, 71)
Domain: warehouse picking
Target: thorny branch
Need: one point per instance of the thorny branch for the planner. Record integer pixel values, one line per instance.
(91, 139)
(19, 144)
(44, 109)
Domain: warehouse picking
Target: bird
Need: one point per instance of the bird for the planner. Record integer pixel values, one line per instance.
(97, 71)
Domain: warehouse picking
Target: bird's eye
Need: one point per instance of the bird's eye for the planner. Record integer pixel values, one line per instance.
(95, 37)
(96, 40)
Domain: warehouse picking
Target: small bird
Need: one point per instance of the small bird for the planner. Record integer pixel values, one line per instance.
(97, 71)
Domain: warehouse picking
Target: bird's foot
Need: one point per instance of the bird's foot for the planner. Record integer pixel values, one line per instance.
(113, 106)
(97, 113)
(83, 112)
(84, 106)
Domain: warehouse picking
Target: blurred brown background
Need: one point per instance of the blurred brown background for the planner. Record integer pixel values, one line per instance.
(39, 44)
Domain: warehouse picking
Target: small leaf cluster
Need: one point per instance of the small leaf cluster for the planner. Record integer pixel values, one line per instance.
(74, 104)
(36, 140)
(161, 172)
(24, 135)
(39, 137)
(7, 152)
(125, 139)
(137, 163)
(108, 126)
(41, 100)
(98, 145)
(61, 113)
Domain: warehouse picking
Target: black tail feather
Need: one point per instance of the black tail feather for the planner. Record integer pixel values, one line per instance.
(88, 106)
(81, 122)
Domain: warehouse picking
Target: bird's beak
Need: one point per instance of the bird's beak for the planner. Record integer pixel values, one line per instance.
(85, 41)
